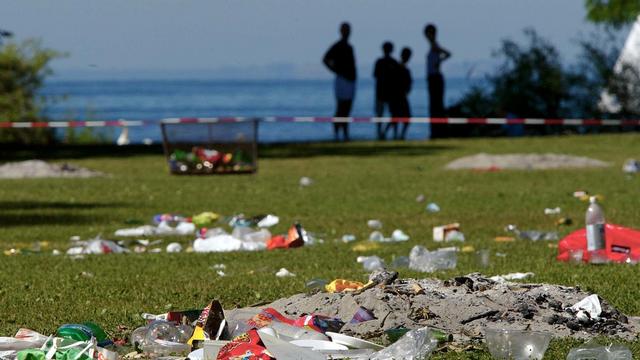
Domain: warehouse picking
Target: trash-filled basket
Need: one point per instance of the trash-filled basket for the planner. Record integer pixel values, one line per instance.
(211, 146)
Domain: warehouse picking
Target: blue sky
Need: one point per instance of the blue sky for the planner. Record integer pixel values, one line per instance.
(279, 36)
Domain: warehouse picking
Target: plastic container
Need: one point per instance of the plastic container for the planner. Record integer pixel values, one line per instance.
(594, 221)
(421, 259)
(517, 344)
(594, 351)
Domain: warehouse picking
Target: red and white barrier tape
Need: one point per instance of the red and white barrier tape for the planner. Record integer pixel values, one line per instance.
(272, 119)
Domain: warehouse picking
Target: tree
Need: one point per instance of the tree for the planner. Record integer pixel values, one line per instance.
(23, 68)
(615, 13)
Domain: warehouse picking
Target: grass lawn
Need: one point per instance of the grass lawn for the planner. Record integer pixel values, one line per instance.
(352, 183)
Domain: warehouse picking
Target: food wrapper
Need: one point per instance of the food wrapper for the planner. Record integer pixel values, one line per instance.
(342, 285)
(294, 238)
(246, 346)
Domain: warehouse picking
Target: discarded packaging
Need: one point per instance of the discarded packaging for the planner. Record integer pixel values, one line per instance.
(399, 235)
(342, 285)
(439, 232)
(174, 247)
(421, 259)
(268, 221)
(414, 345)
(162, 338)
(552, 211)
(454, 235)
(588, 308)
(511, 276)
(517, 344)
(376, 236)
(432, 208)
(631, 166)
(374, 224)
(591, 351)
(284, 273)
(371, 263)
(348, 238)
(533, 235)
(305, 181)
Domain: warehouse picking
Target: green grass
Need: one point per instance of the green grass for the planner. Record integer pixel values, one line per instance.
(352, 183)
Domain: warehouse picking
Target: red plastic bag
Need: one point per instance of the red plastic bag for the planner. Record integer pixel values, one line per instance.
(621, 243)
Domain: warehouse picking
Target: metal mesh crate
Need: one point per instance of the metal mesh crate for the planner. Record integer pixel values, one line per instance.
(211, 147)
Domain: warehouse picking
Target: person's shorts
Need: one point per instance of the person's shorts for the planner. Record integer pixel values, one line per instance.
(345, 89)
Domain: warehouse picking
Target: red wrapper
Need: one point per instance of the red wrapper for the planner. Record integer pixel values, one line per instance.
(246, 346)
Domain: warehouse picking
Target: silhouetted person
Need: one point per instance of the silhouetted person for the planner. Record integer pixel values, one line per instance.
(341, 61)
(400, 107)
(435, 80)
(385, 72)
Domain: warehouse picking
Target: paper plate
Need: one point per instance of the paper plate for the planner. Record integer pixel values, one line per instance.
(319, 345)
(352, 342)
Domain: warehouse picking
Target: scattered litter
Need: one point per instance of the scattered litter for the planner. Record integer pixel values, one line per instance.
(342, 285)
(533, 235)
(414, 345)
(440, 232)
(366, 246)
(348, 238)
(432, 208)
(421, 259)
(552, 211)
(268, 221)
(161, 337)
(631, 166)
(221, 273)
(206, 218)
(374, 224)
(588, 308)
(505, 344)
(504, 239)
(485, 161)
(174, 247)
(454, 235)
(511, 276)
(284, 273)
(96, 246)
(376, 236)
(218, 267)
(420, 198)
(592, 350)
(371, 263)
(305, 181)
(564, 221)
(399, 235)
(362, 315)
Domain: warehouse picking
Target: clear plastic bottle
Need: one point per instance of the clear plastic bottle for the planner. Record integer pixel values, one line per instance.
(594, 221)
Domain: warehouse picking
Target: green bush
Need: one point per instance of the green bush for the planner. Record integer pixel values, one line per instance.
(23, 68)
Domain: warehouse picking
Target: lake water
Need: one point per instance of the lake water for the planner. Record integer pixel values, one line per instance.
(155, 99)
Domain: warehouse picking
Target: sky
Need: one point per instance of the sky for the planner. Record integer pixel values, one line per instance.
(278, 37)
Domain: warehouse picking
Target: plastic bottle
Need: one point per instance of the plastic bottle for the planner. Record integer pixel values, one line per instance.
(594, 221)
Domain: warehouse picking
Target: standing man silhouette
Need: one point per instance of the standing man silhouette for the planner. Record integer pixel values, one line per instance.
(341, 61)
(385, 73)
(437, 54)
